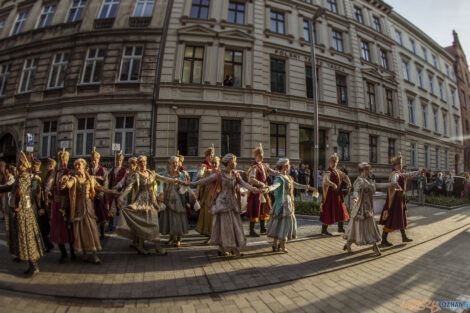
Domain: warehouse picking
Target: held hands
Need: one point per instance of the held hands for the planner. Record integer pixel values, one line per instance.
(396, 185)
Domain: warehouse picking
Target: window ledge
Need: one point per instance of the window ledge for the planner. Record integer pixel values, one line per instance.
(409, 82)
(436, 133)
(25, 94)
(318, 46)
(127, 85)
(248, 27)
(344, 54)
(426, 130)
(53, 91)
(268, 33)
(210, 21)
(90, 87)
(139, 21)
(422, 89)
(413, 125)
(103, 23)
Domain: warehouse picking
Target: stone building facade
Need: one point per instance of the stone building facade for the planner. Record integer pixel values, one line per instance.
(235, 73)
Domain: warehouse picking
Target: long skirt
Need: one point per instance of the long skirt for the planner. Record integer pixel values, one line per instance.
(204, 221)
(227, 231)
(30, 244)
(143, 224)
(362, 231)
(173, 223)
(282, 228)
(61, 232)
(86, 234)
(11, 231)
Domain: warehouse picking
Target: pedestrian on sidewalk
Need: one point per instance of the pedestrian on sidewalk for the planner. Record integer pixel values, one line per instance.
(362, 229)
(283, 225)
(449, 184)
(422, 182)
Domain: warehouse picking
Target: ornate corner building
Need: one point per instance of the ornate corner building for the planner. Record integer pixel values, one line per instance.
(79, 74)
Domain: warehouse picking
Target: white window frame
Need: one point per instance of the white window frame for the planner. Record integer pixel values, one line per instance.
(384, 59)
(438, 158)
(435, 61)
(84, 133)
(51, 136)
(61, 64)
(91, 60)
(78, 6)
(144, 4)
(453, 97)
(427, 157)
(338, 42)
(3, 78)
(406, 71)
(413, 45)
(20, 20)
(26, 73)
(134, 60)
(445, 124)
(431, 85)
(424, 111)
(124, 131)
(399, 37)
(377, 24)
(45, 17)
(436, 121)
(457, 129)
(108, 5)
(414, 155)
(442, 91)
(365, 51)
(425, 53)
(420, 78)
(411, 111)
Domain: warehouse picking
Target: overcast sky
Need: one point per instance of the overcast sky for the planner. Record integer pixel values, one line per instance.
(437, 18)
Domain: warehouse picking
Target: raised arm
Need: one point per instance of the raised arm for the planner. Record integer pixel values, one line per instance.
(252, 177)
(164, 179)
(271, 172)
(412, 174)
(243, 183)
(211, 178)
(276, 184)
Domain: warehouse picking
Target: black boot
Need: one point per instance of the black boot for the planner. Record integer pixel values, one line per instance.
(72, 253)
(384, 240)
(252, 230)
(34, 269)
(324, 230)
(110, 225)
(262, 227)
(63, 254)
(340, 227)
(404, 238)
(102, 231)
(30, 269)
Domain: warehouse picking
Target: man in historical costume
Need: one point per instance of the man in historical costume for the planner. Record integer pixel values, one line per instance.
(100, 174)
(394, 215)
(259, 205)
(204, 222)
(332, 209)
(30, 244)
(11, 224)
(117, 175)
(39, 205)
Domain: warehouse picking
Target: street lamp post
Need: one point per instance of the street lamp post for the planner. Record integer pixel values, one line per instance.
(317, 14)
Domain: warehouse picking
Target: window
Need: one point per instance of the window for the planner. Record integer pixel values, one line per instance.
(425, 116)
(391, 148)
(277, 22)
(377, 25)
(2, 25)
(46, 16)
(308, 81)
(58, 69)
(278, 140)
(109, 9)
(384, 59)
(192, 67)
(307, 32)
(343, 151)
(448, 70)
(84, 136)
(406, 71)
(236, 12)
(372, 149)
(413, 46)
(453, 97)
(442, 93)
(420, 78)
(337, 40)
(444, 124)
(308, 1)
(431, 84)
(398, 37)
(464, 100)
(425, 54)
(200, 9)
(131, 63)
(438, 158)
(188, 136)
(143, 8)
(457, 128)
(332, 6)
(446, 159)
(19, 23)
(427, 157)
(341, 89)
(365, 51)
(371, 97)
(411, 111)
(93, 66)
(3, 78)
(233, 68)
(414, 155)
(389, 102)
(435, 61)
(358, 13)
(278, 75)
(49, 139)
(27, 76)
(76, 10)
(231, 137)
(436, 121)
(124, 134)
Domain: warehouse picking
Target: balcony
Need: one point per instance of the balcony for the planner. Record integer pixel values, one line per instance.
(103, 23)
(139, 22)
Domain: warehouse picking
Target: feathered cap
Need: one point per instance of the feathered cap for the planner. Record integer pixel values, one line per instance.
(181, 157)
(258, 150)
(334, 157)
(94, 154)
(119, 156)
(24, 160)
(397, 160)
(63, 156)
(210, 150)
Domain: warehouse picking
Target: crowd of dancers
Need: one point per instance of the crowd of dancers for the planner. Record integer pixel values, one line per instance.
(71, 207)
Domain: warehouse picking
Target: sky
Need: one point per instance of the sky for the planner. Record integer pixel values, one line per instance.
(437, 18)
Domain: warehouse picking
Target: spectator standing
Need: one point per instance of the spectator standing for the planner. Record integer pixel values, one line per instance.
(422, 181)
(449, 184)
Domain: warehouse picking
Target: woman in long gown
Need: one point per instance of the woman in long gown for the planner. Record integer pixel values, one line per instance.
(283, 226)
(227, 231)
(140, 217)
(362, 229)
(173, 220)
(82, 189)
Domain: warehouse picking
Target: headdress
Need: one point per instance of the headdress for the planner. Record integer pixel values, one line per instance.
(181, 157)
(132, 160)
(94, 154)
(334, 157)
(63, 156)
(24, 160)
(210, 150)
(281, 162)
(258, 150)
(51, 161)
(173, 158)
(119, 156)
(397, 160)
(363, 165)
(227, 158)
(36, 163)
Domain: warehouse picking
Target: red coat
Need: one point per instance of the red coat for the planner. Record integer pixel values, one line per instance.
(101, 211)
(255, 209)
(333, 208)
(61, 229)
(393, 215)
(114, 180)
